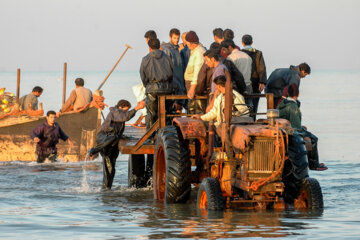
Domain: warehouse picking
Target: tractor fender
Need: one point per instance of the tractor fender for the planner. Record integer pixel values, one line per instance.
(191, 128)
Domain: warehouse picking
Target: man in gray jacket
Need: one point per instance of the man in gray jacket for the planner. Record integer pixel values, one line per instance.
(30, 101)
(156, 72)
(283, 77)
(110, 133)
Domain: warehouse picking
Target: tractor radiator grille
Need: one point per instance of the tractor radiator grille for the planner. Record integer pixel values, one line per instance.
(261, 156)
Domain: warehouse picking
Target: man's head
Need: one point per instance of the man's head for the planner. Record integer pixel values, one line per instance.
(220, 82)
(293, 91)
(304, 70)
(154, 44)
(216, 48)
(211, 59)
(247, 40)
(192, 40)
(79, 82)
(228, 46)
(151, 34)
(183, 35)
(37, 91)
(218, 35)
(228, 34)
(174, 36)
(124, 105)
(50, 117)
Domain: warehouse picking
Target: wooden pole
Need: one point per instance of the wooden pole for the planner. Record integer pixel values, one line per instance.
(18, 85)
(64, 83)
(127, 47)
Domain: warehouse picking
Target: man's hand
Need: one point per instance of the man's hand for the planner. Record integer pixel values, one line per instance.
(36, 139)
(58, 114)
(191, 92)
(70, 142)
(261, 87)
(196, 116)
(140, 105)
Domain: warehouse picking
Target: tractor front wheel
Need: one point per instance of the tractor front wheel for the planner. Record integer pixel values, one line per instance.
(209, 195)
(310, 195)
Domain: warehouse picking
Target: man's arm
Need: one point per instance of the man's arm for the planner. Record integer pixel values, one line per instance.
(70, 101)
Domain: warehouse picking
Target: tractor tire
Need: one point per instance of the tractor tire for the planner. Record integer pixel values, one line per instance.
(172, 167)
(136, 170)
(310, 195)
(209, 195)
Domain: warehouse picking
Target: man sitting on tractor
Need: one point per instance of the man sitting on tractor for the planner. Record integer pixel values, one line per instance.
(216, 113)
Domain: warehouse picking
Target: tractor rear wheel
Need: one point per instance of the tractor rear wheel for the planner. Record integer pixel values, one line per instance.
(136, 170)
(209, 195)
(310, 195)
(172, 167)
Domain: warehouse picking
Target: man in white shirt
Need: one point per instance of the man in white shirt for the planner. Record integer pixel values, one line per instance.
(196, 60)
(217, 111)
(241, 60)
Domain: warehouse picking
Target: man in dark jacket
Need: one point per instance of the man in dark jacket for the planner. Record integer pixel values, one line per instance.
(283, 77)
(290, 109)
(110, 133)
(156, 72)
(47, 135)
(258, 70)
(172, 50)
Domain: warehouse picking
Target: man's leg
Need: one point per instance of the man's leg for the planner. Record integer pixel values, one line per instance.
(52, 157)
(255, 101)
(109, 160)
(41, 158)
(151, 104)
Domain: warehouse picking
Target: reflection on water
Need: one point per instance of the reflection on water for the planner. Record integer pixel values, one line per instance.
(65, 200)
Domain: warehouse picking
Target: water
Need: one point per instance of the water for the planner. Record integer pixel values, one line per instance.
(65, 200)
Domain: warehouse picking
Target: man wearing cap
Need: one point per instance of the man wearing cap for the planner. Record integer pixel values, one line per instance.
(78, 98)
(196, 60)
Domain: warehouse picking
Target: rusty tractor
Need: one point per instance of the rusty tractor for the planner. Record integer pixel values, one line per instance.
(258, 165)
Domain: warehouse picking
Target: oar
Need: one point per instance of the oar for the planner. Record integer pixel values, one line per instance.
(127, 47)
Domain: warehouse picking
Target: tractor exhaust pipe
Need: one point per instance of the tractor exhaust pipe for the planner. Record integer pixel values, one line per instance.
(272, 114)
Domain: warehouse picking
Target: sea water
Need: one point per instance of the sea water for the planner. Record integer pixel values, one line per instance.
(65, 200)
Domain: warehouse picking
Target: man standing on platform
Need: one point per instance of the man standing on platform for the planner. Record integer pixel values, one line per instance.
(258, 70)
(156, 72)
(196, 60)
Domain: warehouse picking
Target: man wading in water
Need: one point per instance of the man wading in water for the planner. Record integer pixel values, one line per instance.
(47, 135)
(110, 133)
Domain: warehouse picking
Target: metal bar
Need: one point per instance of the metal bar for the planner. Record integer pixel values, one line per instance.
(147, 135)
(173, 97)
(64, 83)
(18, 85)
(270, 100)
(162, 111)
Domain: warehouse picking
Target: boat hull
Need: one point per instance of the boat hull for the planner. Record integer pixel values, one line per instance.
(16, 144)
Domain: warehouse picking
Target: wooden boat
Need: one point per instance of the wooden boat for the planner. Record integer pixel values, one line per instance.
(82, 127)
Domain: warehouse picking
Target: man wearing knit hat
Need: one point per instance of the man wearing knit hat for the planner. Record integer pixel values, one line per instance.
(196, 60)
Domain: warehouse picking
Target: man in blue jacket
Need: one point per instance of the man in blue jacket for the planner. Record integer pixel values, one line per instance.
(47, 135)
(283, 77)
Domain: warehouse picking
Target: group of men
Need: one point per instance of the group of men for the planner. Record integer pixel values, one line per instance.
(183, 69)
(190, 69)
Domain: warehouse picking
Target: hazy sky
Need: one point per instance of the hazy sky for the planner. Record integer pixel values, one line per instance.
(91, 35)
